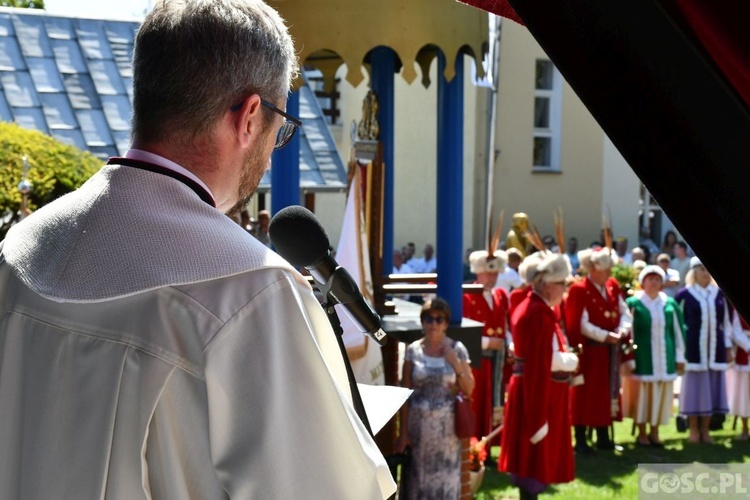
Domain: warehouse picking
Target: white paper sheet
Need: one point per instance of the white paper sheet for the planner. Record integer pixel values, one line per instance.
(382, 402)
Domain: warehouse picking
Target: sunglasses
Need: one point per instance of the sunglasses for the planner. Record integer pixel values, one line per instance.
(433, 319)
(288, 128)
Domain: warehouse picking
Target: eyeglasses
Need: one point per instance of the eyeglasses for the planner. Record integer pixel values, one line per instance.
(288, 128)
(433, 319)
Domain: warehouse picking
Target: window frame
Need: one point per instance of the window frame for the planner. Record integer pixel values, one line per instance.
(553, 131)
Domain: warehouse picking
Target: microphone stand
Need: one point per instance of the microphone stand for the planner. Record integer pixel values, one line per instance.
(359, 406)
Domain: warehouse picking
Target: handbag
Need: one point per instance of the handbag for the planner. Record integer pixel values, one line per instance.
(399, 464)
(465, 419)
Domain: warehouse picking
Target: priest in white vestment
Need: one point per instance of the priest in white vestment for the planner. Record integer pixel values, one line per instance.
(150, 347)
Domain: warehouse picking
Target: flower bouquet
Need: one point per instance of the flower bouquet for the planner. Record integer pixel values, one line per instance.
(477, 456)
(477, 453)
(627, 276)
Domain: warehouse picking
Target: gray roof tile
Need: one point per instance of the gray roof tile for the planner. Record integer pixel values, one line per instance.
(6, 26)
(45, 75)
(94, 43)
(103, 152)
(19, 89)
(106, 78)
(120, 32)
(72, 137)
(10, 55)
(94, 127)
(68, 56)
(32, 36)
(31, 118)
(117, 111)
(81, 91)
(60, 28)
(122, 140)
(58, 111)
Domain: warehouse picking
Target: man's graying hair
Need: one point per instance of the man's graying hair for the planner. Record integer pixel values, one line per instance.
(194, 59)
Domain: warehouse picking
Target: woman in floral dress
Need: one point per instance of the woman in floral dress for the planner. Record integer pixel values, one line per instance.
(435, 367)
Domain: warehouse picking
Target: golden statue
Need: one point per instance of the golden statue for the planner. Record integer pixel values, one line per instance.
(368, 128)
(517, 235)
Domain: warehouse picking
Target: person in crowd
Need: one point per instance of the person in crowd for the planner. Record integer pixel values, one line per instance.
(427, 263)
(509, 279)
(536, 444)
(623, 252)
(435, 367)
(549, 243)
(597, 317)
(681, 261)
(667, 245)
(738, 374)
(491, 309)
(671, 276)
(152, 348)
(261, 230)
(527, 272)
(660, 357)
(399, 266)
(572, 254)
(708, 343)
(636, 254)
(648, 245)
(468, 276)
(408, 251)
(639, 265)
(248, 223)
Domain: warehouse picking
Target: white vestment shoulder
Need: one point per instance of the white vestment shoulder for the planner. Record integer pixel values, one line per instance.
(151, 348)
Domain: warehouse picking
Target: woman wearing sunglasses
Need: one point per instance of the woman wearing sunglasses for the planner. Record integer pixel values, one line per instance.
(435, 366)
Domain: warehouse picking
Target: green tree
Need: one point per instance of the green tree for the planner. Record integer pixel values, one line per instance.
(24, 4)
(54, 169)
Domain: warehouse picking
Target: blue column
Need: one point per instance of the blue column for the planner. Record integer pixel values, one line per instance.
(285, 166)
(450, 186)
(383, 67)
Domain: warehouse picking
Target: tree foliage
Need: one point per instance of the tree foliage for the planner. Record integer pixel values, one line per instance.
(54, 169)
(24, 4)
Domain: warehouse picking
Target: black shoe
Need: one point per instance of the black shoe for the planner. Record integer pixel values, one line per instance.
(583, 449)
(654, 443)
(607, 445)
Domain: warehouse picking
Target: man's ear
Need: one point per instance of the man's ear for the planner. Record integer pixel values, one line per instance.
(247, 121)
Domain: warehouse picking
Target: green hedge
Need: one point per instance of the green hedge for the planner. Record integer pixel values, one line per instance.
(54, 169)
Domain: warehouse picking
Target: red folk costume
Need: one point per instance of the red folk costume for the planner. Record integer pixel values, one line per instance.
(536, 444)
(589, 316)
(489, 385)
(517, 296)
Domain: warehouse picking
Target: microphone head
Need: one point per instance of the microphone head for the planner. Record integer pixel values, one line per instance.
(298, 236)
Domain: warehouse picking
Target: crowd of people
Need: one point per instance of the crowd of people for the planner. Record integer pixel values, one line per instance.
(567, 351)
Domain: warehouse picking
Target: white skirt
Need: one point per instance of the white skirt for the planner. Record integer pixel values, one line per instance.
(647, 402)
(738, 392)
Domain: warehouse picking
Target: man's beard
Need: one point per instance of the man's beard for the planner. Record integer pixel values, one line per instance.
(253, 169)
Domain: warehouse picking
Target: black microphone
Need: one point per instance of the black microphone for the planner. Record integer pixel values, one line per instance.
(300, 238)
